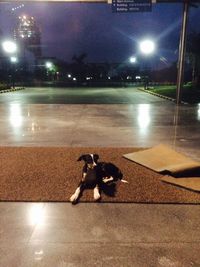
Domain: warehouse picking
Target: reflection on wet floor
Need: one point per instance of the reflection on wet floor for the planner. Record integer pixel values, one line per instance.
(141, 125)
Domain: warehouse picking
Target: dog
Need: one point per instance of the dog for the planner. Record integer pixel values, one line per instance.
(94, 174)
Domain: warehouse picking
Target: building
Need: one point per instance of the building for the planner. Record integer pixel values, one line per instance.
(28, 35)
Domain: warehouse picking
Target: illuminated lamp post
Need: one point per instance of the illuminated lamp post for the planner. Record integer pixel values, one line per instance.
(10, 48)
(147, 47)
(49, 66)
(13, 61)
(132, 60)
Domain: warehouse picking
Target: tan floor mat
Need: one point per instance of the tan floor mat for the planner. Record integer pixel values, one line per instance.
(192, 183)
(163, 158)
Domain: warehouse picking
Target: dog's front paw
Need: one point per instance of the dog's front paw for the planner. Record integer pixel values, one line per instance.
(73, 198)
(97, 195)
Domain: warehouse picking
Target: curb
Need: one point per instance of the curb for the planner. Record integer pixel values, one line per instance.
(11, 90)
(161, 96)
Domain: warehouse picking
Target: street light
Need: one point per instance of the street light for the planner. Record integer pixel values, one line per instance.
(50, 69)
(10, 47)
(147, 47)
(49, 65)
(133, 59)
(13, 59)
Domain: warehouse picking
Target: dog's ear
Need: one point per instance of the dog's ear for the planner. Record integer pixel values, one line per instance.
(96, 157)
(82, 157)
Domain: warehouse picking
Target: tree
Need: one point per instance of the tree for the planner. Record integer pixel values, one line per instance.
(79, 59)
(79, 66)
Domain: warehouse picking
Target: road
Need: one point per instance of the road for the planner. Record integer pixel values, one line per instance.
(50, 95)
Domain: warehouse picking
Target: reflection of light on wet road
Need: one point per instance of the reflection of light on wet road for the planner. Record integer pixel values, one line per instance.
(143, 117)
(15, 115)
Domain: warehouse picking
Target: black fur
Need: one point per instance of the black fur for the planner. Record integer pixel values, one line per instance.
(105, 169)
(94, 175)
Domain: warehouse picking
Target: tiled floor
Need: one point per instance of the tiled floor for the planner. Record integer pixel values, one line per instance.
(59, 234)
(62, 235)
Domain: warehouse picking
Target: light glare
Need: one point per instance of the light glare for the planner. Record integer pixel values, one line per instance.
(133, 59)
(49, 65)
(147, 47)
(13, 59)
(9, 47)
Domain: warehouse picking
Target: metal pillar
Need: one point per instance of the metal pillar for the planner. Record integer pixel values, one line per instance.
(182, 48)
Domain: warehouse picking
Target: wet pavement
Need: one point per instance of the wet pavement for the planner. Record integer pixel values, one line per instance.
(95, 234)
(79, 95)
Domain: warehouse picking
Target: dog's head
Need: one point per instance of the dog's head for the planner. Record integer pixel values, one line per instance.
(90, 159)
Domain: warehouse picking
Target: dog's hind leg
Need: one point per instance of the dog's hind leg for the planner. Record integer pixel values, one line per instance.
(108, 179)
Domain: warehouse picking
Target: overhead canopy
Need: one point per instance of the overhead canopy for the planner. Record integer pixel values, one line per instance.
(99, 1)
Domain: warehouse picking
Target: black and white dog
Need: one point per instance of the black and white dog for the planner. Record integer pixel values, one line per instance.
(94, 174)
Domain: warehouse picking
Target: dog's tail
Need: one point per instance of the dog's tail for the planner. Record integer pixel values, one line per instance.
(124, 181)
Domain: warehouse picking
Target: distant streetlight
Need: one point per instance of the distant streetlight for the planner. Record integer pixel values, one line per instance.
(147, 47)
(50, 70)
(9, 47)
(133, 59)
(13, 59)
(49, 65)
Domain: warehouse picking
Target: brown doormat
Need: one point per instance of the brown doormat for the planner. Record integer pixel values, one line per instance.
(52, 174)
(162, 158)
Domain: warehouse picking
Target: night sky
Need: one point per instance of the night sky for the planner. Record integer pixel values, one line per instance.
(74, 28)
